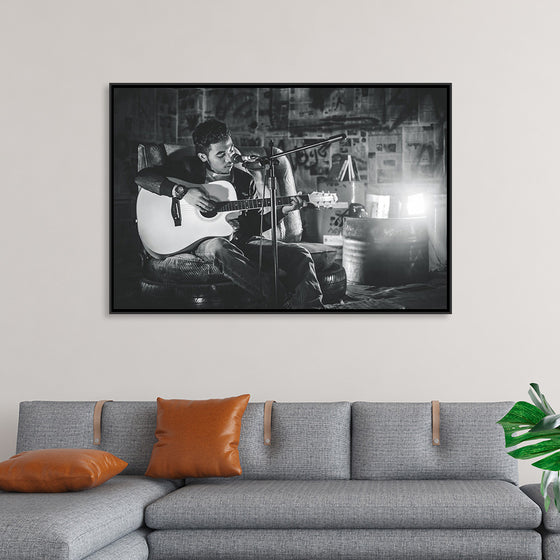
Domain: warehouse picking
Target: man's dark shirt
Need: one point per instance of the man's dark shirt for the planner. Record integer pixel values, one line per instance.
(193, 170)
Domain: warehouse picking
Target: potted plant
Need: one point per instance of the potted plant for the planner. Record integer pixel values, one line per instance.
(534, 431)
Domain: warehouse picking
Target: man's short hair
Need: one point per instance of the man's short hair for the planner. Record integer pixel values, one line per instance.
(209, 132)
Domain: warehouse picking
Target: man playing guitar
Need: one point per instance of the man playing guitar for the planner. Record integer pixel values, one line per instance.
(187, 181)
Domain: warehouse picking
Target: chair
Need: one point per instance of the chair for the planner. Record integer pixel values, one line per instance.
(185, 281)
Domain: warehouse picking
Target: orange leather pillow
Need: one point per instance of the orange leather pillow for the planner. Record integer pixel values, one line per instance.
(197, 438)
(58, 470)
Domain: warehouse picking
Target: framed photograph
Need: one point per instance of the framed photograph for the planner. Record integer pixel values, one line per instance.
(316, 198)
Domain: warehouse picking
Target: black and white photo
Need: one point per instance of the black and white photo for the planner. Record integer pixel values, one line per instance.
(355, 177)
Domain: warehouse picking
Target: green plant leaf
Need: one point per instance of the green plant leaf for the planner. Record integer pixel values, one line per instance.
(539, 399)
(551, 478)
(512, 440)
(547, 478)
(522, 414)
(549, 422)
(535, 450)
(555, 494)
(526, 422)
(550, 463)
(556, 490)
(519, 420)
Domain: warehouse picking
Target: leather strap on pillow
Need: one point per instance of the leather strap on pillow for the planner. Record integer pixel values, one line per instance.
(268, 422)
(435, 423)
(98, 409)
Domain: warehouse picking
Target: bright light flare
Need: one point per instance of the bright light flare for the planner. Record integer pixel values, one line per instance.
(416, 205)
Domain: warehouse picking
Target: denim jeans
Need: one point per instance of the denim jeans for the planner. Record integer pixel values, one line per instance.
(298, 288)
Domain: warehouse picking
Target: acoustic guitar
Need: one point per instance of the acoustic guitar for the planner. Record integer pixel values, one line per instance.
(161, 237)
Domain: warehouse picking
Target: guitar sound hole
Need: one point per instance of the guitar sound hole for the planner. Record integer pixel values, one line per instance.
(208, 213)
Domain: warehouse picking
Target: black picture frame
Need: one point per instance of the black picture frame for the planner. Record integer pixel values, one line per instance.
(398, 137)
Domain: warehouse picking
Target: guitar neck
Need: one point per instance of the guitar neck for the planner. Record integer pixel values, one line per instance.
(255, 203)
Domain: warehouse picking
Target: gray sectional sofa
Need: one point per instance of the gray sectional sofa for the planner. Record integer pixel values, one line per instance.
(339, 480)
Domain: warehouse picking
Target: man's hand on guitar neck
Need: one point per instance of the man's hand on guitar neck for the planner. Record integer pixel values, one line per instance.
(296, 202)
(199, 197)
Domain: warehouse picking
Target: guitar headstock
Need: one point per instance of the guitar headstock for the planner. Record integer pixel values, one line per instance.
(323, 199)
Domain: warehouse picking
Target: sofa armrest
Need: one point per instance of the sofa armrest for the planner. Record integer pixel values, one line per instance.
(551, 518)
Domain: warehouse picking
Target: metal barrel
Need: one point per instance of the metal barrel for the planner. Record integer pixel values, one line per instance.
(385, 251)
(354, 254)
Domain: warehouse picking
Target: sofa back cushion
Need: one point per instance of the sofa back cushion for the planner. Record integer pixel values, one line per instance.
(394, 441)
(127, 428)
(309, 440)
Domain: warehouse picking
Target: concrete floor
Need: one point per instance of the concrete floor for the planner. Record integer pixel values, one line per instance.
(428, 296)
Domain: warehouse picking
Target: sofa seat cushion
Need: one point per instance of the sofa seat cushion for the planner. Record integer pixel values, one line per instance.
(73, 525)
(133, 546)
(345, 504)
(348, 544)
(551, 546)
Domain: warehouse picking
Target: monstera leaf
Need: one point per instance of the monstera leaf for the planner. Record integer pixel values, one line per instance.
(534, 431)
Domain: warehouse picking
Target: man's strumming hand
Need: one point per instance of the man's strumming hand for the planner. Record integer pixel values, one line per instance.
(199, 197)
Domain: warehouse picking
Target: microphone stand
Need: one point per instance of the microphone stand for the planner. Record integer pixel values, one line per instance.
(268, 163)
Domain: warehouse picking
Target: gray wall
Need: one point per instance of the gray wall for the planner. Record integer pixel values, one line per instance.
(58, 341)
